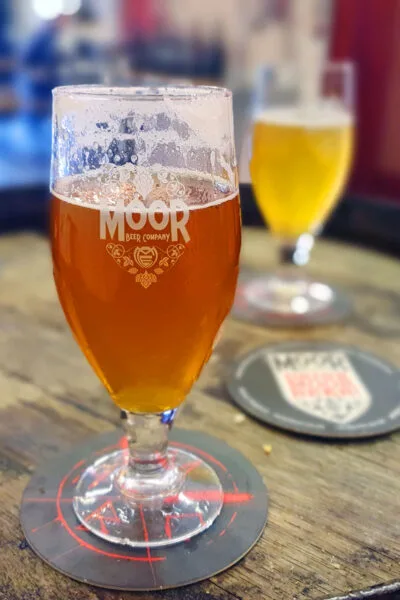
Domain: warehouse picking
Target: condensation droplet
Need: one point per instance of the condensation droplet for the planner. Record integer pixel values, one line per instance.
(117, 158)
(134, 159)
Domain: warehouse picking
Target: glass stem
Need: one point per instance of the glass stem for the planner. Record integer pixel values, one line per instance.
(287, 251)
(294, 254)
(147, 436)
(148, 472)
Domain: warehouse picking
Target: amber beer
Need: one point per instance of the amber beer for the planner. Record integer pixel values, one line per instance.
(145, 288)
(300, 161)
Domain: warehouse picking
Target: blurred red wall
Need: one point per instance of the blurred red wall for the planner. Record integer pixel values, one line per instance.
(139, 17)
(368, 32)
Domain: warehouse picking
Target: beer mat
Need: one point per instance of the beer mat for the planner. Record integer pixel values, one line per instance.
(54, 533)
(246, 308)
(322, 389)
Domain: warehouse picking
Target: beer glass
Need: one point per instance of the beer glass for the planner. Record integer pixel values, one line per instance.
(145, 245)
(301, 151)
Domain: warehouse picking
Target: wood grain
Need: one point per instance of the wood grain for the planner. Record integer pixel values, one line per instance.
(333, 523)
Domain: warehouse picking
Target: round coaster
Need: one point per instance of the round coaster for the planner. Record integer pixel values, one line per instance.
(54, 533)
(248, 309)
(319, 388)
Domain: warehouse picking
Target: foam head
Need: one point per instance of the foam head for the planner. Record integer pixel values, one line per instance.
(120, 133)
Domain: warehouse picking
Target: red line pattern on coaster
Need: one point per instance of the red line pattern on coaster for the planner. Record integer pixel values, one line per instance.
(232, 519)
(85, 544)
(198, 451)
(99, 515)
(100, 479)
(229, 497)
(168, 519)
(191, 466)
(107, 513)
(214, 496)
(58, 556)
(223, 532)
(44, 525)
(146, 537)
(123, 443)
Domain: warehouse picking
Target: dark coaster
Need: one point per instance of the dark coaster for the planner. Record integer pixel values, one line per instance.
(245, 309)
(54, 533)
(319, 388)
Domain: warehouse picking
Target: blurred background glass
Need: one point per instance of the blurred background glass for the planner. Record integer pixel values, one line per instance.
(301, 141)
(44, 43)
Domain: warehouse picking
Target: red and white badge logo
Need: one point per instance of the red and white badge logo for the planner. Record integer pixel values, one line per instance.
(321, 384)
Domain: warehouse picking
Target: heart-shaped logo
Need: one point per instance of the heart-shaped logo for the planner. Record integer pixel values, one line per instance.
(145, 256)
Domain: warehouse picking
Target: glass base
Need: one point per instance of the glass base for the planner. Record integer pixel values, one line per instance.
(183, 503)
(289, 296)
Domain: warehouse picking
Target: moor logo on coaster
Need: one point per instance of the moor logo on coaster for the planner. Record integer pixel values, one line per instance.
(322, 384)
(319, 388)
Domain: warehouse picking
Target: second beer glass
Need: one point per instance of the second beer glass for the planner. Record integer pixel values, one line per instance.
(302, 146)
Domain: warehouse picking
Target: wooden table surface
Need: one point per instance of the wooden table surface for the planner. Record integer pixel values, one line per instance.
(334, 520)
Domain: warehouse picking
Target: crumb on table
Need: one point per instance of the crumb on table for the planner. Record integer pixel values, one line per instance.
(239, 418)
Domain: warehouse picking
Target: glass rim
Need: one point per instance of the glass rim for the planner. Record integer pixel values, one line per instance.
(178, 92)
(326, 65)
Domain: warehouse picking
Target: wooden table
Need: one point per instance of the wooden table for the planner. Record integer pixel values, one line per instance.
(334, 515)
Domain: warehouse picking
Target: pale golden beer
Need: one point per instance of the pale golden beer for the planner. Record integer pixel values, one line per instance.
(145, 294)
(299, 165)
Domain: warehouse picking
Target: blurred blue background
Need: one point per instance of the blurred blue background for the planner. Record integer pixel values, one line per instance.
(44, 43)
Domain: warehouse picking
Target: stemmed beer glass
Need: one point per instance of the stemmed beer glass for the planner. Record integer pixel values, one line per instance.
(301, 152)
(145, 244)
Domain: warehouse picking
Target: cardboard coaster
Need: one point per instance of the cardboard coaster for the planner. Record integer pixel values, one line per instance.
(245, 308)
(319, 388)
(54, 533)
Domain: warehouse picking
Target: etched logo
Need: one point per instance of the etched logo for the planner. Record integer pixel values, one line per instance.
(321, 384)
(155, 220)
(146, 263)
(145, 256)
(125, 223)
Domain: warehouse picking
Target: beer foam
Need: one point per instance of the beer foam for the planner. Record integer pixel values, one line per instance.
(206, 110)
(119, 208)
(176, 126)
(323, 117)
(201, 191)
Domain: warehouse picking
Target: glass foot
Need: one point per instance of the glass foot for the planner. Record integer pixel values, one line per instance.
(183, 503)
(289, 296)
